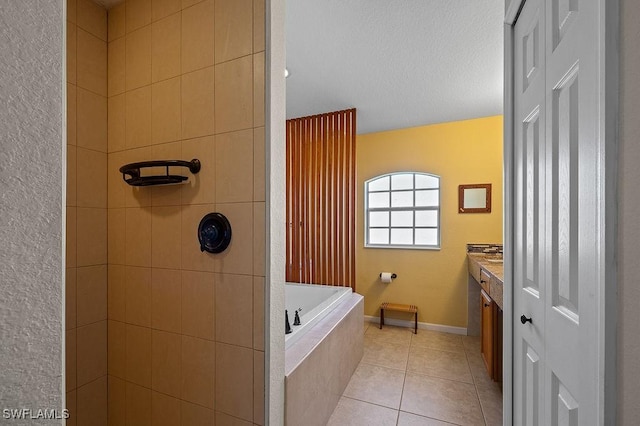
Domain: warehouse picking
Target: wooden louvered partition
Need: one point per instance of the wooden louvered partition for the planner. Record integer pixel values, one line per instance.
(321, 196)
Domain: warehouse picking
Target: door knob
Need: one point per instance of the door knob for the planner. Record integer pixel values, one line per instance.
(525, 320)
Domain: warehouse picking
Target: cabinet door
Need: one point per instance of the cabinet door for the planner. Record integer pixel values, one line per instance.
(487, 348)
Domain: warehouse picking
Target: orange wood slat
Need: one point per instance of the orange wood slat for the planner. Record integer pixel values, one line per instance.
(321, 199)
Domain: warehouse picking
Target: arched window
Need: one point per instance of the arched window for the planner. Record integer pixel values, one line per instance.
(402, 210)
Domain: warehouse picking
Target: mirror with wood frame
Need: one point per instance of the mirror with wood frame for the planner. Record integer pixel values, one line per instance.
(474, 198)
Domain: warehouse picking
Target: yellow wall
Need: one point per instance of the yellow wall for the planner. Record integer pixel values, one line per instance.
(462, 152)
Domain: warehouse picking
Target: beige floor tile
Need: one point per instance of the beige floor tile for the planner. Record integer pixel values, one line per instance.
(491, 402)
(437, 340)
(442, 399)
(377, 385)
(438, 363)
(389, 333)
(478, 369)
(365, 326)
(385, 354)
(408, 419)
(350, 412)
(471, 343)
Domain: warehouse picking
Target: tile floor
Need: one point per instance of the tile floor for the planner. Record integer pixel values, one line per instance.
(427, 379)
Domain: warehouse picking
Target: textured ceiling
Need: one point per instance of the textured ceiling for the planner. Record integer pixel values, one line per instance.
(401, 63)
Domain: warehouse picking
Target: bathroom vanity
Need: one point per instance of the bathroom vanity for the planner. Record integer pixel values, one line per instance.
(486, 274)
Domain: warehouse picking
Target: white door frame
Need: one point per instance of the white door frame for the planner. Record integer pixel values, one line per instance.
(608, 31)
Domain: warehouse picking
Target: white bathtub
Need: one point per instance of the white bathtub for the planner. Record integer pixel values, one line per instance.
(316, 301)
(323, 352)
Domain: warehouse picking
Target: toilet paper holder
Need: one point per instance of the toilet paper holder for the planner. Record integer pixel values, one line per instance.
(393, 276)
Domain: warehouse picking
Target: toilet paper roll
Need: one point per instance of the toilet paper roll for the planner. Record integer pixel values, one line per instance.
(386, 277)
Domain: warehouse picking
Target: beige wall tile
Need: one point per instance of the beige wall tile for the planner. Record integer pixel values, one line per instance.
(234, 166)
(166, 306)
(70, 359)
(70, 299)
(117, 294)
(117, 233)
(197, 36)
(234, 309)
(92, 18)
(227, 420)
(198, 103)
(259, 175)
(91, 403)
(116, 67)
(71, 114)
(166, 47)
(168, 195)
(91, 236)
(258, 387)
(116, 135)
(238, 257)
(195, 415)
(234, 29)
(193, 258)
(189, 3)
(138, 358)
(166, 363)
(259, 239)
(258, 89)
(116, 188)
(258, 313)
(92, 352)
(117, 349)
(138, 14)
(234, 95)
(138, 57)
(234, 381)
(71, 237)
(165, 410)
(92, 178)
(71, 10)
(91, 294)
(117, 401)
(201, 188)
(116, 21)
(138, 296)
(198, 370)
(72, 56)
(91, 125)
(258, 25)
(138, 237)
(198, 317)
(138, 410)
(91, 56)
(71, 175)
(163, 8)
(72, 407)
(138, 117)
(166, 123)
(165, 237)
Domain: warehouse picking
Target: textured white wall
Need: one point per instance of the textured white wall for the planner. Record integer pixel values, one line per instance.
(31, 193)
(629, 216)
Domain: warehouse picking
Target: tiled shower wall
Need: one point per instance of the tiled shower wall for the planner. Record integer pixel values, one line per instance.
(186, 80)
(86, 243)
(185, 329)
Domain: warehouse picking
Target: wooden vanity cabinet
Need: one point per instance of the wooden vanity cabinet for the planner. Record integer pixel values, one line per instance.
(487, 331)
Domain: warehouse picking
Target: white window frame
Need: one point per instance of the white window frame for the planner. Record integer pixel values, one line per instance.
(412, 209)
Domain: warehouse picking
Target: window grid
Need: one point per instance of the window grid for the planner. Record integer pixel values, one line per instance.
(390, 209)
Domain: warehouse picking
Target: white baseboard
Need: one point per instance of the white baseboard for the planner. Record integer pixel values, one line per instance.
(421, 325)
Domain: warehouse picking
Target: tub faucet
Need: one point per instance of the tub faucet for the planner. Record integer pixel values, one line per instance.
(296, 319)
(287, 326)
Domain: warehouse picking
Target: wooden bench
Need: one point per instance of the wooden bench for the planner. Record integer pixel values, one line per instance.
(399, 307)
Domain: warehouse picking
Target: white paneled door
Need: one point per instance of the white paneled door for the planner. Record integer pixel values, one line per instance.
(557, 202)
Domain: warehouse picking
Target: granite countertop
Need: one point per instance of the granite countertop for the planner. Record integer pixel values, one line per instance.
(487, 262)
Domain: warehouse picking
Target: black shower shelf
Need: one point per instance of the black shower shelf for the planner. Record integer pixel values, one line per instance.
(136, 179)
